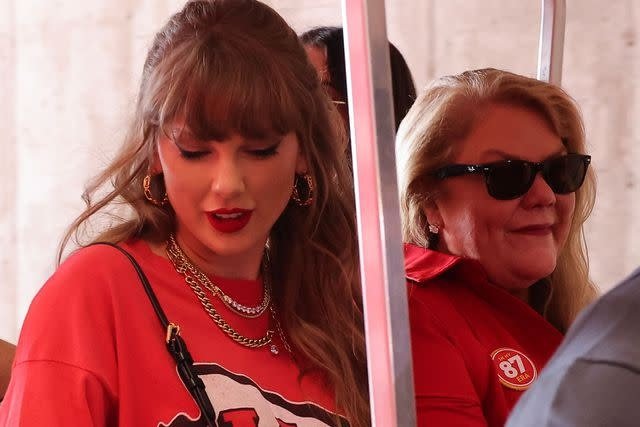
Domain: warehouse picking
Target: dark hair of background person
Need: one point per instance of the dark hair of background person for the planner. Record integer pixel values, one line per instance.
(404, 91)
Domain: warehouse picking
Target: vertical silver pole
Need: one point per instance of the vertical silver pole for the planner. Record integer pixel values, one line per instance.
(551, 45)
(381, 258)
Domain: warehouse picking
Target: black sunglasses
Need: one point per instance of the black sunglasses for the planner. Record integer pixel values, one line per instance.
(510, 179)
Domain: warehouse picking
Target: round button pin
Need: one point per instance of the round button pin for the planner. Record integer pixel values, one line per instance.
(515, 370)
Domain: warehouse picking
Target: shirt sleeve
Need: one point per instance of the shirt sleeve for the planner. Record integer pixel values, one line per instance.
(76, 398)
(589, 394)
(65, 370)
(445, 395)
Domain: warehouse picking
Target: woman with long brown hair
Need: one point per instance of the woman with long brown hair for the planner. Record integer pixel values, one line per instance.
(231, 196)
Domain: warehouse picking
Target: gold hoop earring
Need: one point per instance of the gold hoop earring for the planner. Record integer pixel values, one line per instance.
(146, 187)
(303, 197)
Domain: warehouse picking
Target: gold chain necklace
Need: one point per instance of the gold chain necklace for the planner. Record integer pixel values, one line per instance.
(179, 264)
(173, 249)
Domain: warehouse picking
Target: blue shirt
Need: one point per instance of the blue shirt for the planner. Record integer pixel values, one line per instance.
(594, 378)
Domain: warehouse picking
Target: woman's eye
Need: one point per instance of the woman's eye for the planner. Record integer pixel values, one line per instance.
(265, 152)
(192, 155)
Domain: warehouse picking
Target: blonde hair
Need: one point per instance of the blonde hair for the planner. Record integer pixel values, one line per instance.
(236, 66)
(443, 115)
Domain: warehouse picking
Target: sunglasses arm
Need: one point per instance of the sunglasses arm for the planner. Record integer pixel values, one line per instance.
(457, 170)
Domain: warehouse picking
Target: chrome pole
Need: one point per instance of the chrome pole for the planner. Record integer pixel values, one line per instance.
(551, 45)
(381, 257)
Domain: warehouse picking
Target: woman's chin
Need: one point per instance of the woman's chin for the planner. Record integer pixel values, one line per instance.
(523, 273)
(536, 270)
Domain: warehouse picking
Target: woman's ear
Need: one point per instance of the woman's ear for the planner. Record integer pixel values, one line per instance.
(432, 212)
(155, 165)
(302, 167)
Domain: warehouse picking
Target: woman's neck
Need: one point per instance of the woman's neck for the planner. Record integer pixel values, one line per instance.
(247, 267)
(522, 294)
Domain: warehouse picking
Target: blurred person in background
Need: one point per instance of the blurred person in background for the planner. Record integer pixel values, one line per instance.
(593, 380)
(325, 47)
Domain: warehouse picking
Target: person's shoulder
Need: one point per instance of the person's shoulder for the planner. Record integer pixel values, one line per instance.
(100, 261)
(584, 393)
(609, 391)
(432, 281)
(78, 310)
(626, 292)
(87, 273)
(85, 289)
(612, 311)
(423, 264)
(605, 333)
(92, 256)
(425, 274)
(432, 306)
(607, 330)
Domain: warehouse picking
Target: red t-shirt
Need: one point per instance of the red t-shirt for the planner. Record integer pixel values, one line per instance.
(92, 353)
(475, 346)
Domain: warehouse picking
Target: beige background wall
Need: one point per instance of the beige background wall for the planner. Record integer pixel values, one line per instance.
(69, 71)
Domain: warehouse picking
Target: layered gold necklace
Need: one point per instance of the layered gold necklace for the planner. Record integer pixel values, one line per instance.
(195, 277)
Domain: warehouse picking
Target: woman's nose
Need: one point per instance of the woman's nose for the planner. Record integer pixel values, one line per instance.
(228, 179)
(540, 193)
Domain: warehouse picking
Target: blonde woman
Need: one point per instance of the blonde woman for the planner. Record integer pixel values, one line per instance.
(241, 219)
(495, 189)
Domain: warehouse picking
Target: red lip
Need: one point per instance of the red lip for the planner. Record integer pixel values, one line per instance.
(239, 220)
(535, 229)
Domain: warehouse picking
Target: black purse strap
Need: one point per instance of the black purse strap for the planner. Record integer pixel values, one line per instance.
(175, 345)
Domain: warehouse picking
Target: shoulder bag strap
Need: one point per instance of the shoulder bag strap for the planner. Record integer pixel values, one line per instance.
(175, 345)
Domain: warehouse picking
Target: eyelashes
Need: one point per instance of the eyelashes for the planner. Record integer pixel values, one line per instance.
(192, 155)
(263, 153)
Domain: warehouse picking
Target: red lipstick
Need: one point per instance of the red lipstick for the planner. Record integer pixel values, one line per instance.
(536, 229)
(229, 220)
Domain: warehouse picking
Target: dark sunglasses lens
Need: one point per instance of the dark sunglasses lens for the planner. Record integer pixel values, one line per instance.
(565, 174)
(509, 180)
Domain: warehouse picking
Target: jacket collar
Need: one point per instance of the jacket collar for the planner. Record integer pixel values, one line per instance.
(423, 264)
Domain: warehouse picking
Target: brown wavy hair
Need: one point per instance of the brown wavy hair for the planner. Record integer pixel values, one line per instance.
(445, 114)
(235, 65)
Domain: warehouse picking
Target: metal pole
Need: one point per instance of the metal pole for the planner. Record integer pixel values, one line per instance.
(551, 41)
(381, 257)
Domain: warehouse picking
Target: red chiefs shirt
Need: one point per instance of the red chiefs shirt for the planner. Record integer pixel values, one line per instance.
(476, 347)
(92, 353)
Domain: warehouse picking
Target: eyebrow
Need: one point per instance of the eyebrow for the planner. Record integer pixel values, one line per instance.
(505, 155)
